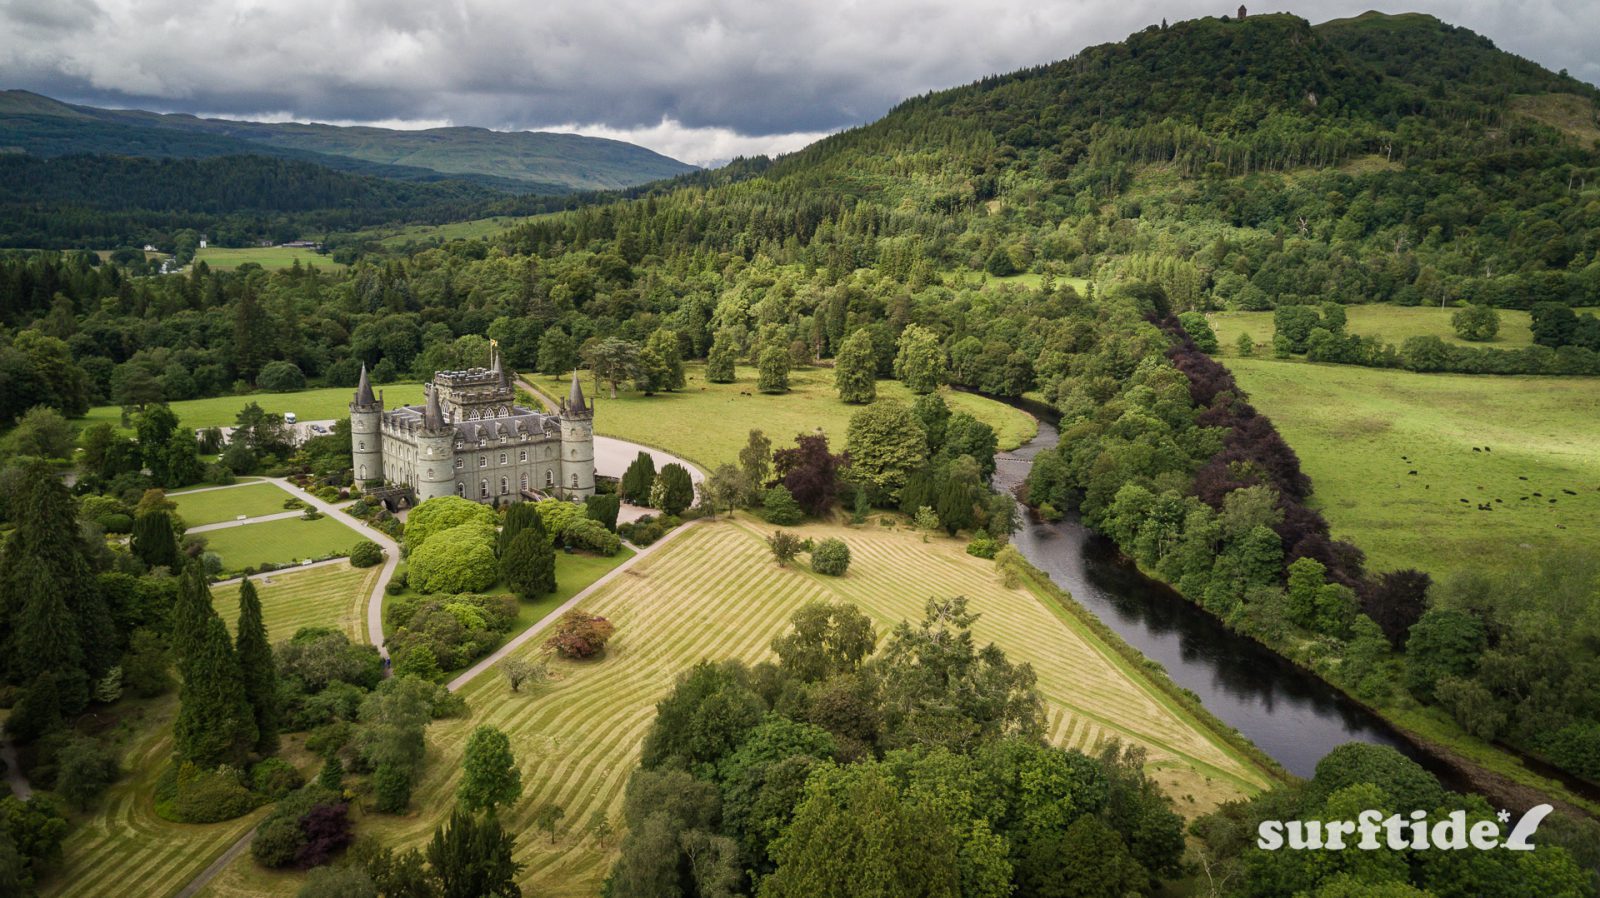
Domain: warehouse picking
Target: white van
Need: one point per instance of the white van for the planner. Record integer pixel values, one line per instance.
(289, 418)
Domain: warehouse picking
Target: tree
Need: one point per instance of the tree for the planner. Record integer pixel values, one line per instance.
(557, 353)
(489, 774)
(603, 509)
(755, 459)
(281, 377)
(153, 541)
(726, 489)
(785, 546)
(457, 560)
(638, 479)
(778, 507)
(42, 432)
(650, 373)
(443, 513)
(613, 360)
(331, 777)
(920, 362)
(528, 565)
(673, 490)
(1396, 601)
(855, 370)
(1443, 642)
(825, 641)
(258, 668)
(519, 671)
(721, 360)
(519, 517)
(1245, 346)
(83, 771)
(579, 634)
(664, 343)
(472, 858)
(925, 520)
(831, 557)
(548, 818)
(810, 472)
(216, 724)
(1478, 324)
(886, 444)
(773, 370)
(1086, 860)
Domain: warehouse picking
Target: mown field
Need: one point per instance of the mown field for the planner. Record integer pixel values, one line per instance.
(333, 595)
(268, 257)
(395, 238)
(279, 542)
(1361, 432)
(309, 405)
(714, 592)
(211, 506)
(1392, 324)
(708, 423)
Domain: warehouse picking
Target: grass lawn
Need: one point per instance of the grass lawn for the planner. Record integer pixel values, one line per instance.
(1392, 324)
(714, 592)
(309, 405)
(268, 257)
(395, 238)
(1359, 433)
(211, 506)
(280, 542)
(574, 573)
(331, 596)
(708, 423)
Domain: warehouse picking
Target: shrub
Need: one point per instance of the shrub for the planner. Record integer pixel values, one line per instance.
(460, 559)
(83, 770)
(115, 523)
(580, 634)
(528, 565)
(785, 546)
(779, 507)
(418, 661)
(366, 554)
(441, 514)
(274, 778)
(604, 509)
(591, 536)
(209, 796)
(831, 557)
(276, 842)
(983, 546)
(673, 489)
(647, 529)
(281, 377)
(391, 783)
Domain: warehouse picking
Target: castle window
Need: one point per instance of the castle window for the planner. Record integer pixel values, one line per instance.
(502, 458)
(362, 444)
(483, 461)
(363, 472)
(460, 463)
(574, 453)
(524, 483)
(549, 478)
(574, 480)
(523, 455)
(483, 489)
(505, 487)
(461, 489)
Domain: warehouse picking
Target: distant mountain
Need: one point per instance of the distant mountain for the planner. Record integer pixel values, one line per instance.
(523, 161)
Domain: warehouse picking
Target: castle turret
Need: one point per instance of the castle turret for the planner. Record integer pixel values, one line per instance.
(366, 432)
(577, 444)
(435, 452)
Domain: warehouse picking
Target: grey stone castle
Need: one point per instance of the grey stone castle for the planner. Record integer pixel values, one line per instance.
(469, 438)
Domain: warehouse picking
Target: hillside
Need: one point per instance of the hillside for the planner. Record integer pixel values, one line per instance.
(529, 161)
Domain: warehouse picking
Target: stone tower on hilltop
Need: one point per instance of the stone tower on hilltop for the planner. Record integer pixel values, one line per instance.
(366, 433)
(577, 443)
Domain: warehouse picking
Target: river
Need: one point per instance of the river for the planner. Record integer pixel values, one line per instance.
(1289, 713)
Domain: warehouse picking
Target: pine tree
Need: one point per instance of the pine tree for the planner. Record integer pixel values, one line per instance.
(215, 723)
(528, 565)
(489, 771)
(856, 368)
(258, 669)
(153, 540)
(332, 775)
(638, 479)
(471, 857)
(519, 517)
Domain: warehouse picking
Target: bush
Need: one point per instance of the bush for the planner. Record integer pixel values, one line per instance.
(115, 523)
(208, 796)
(673, 489)
(391, 783)
(460, 559)
(983, 546)
(779, 507)
(647, 529)
(445, 513)
(418, 661)
(366, 554)
(603, 509)
(281, 377)
(590, 536)
(274, 778)
(831, 557)
(580, 635)
(83, 770)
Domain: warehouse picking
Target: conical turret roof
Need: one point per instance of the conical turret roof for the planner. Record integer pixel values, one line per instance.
(575, 403)
(364, 389)
(432, 417)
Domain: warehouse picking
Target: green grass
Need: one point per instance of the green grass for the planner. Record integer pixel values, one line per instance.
(279, 542)
(708, 423)
(211, 506)
(574, 574)
(268, 257)
(1392, 324)
(395, 238)
(331, 596)
(309, 405)
(1351, 426)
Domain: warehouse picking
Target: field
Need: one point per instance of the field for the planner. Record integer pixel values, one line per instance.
(1360, 432)
(268, 257)
(395, 238)
(715, 593)
(708, 423)
(309, 405)
(1392, 324)
(210, 505)
(333, 595)
(279, 542)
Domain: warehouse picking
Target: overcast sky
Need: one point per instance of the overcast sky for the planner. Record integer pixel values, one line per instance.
(699, 80)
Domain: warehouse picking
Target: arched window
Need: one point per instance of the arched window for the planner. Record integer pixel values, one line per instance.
(483, 489)
(574, 453)
(461, 489)
(505, 486)
(502, 458)
(524, 483)
(574, 480)
(549, 478)
(363, 472)
(523, 455)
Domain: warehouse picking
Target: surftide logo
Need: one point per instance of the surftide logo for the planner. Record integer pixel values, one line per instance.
(1372, 831)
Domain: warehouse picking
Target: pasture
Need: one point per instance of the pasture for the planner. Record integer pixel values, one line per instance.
(268, 257)
(1505, 467)
(714, 592)
(210, 505)
(708, 423)
(1391, 324)
(333, 595)
(280, 542)
(320, 404)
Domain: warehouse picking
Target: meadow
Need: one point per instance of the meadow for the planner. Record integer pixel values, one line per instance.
(714, 592)
(268, 257)
(209, 505)
(708, 423)
(280, 542)
(333, 595)
(1505, 467)
(321, 404)
(1392, 324)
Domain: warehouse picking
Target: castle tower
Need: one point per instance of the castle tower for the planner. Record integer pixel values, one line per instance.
(366, 432)
(577, 444)
(436, 466)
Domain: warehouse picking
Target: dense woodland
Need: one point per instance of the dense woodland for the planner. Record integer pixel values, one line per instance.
(1255, 164)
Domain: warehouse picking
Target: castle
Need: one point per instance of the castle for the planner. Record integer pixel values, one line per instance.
(469, 438)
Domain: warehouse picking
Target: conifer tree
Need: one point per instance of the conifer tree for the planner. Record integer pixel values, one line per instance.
(215, 724)
(489, 772)
(528, 565)
(153, 541)
(774, 370)
(721, 360)
(638, 479)
(856, 368)
(471, 857)
(258, 669)
(664, 343)
(519, 517)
